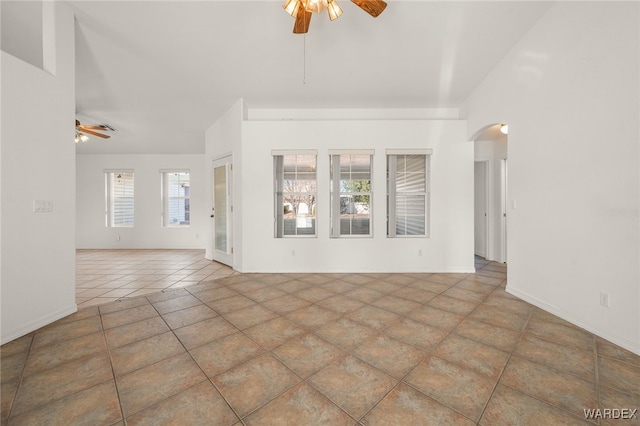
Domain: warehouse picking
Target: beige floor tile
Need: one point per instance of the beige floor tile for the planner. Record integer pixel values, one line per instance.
(389, 355)
(451, 304)
(315, 294)
(500, 317)
(216, 293)
(62, 381)
(619, 375)
(52, 355)
(176, 304)
(612, 398)
(58, 332)
(250, 385)
(122, 305)
(406, 406)
(230, 304)
(508, 406)
(312, 316)
(128, 316)
(96, 405)
(250, 316)
(430, 286)
(286, 303)
(340, 304)
(437, 318)
(610, 350)
(129, 333)
(560, 334)
(384, 287)
(264, 294)
(201, 404)
(353, 384)
(134, 356)
(373, 317)
(498, 337)
(460, 293)
(307, 354)
(188, 316)
(414, 294)
(345, 333)
(462, 389)
(481, 358)
(559, 389)
(293, 286)
(364, 294)
(395, 304)
(274, 332)
(302, 405)
(416, 334)
(560, 357)
(516, 306)
(202, 332)
(157, 382)
(225, 353)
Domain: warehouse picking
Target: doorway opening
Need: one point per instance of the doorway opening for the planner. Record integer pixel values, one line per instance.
(490, 193)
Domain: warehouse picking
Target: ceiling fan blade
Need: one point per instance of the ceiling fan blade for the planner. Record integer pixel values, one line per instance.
(91, 132)
(98, 127)
(372, 7)
(303, 19)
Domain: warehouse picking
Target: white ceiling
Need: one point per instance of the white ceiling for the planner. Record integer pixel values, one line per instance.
(161, 72)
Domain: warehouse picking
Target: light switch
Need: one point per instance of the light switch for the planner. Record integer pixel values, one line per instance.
(42, 206)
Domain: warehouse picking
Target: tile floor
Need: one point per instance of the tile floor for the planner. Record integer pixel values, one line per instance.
(108, 275)
(304, 349)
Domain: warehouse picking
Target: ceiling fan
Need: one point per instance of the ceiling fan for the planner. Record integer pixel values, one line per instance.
(93, 130)
(302, 10)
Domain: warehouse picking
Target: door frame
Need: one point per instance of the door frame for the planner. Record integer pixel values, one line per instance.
(227, 256)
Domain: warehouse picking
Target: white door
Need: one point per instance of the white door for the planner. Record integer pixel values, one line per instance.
(222, 211)
(480, 208)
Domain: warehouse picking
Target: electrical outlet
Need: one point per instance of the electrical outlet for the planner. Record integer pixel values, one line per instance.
(604, 299)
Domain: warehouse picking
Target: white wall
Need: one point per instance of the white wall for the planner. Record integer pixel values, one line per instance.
(450, 246)
(570, 94)
(38, 163)
(147, 232)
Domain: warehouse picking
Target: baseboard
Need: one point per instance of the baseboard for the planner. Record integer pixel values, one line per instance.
(38, 323)
(611, 337)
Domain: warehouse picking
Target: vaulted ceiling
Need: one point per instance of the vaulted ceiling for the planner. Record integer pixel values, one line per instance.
(161, 72)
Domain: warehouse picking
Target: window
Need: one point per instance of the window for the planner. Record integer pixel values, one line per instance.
(175, 198)
(119, 198)
(295, 193)
(407, 193)
(351, 193)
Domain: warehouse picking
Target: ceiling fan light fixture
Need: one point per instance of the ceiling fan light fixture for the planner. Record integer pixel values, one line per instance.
(333, 9)
(292, 6)
(504, 129)
(316, 6)
(81, 138)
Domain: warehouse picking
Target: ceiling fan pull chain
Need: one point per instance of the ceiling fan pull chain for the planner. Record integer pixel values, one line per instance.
(304, 58)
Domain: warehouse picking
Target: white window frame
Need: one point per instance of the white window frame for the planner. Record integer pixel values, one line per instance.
(336, 193)
(110, 198)
(166, 198)
(278, 191)
(392, 155)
